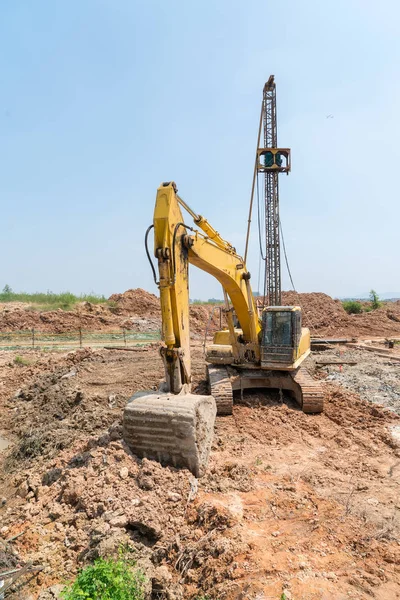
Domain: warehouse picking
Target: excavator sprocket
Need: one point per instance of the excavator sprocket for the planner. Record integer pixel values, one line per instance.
(220, 388)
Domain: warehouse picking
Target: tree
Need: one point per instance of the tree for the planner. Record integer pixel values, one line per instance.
(374, 298)
(7, 289)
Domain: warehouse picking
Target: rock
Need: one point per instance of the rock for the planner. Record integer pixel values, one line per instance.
(276, 533)
(119, 521)
(72, 491)
(51, 593)
(151, 531)
(174, 497)
(289, 488)
(161, 580)
(23, 489)
(55, 511)
(51, 476)
(145, 482)
(3, 501)
(111, 544)
(70, 374)
(34, 483)
(124, 473)
(115, 431)
(373, 501)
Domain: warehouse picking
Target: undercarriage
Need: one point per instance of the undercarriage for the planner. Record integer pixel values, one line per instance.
(224, 380)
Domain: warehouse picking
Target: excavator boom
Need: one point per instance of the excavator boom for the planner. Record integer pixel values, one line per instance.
(174, 249)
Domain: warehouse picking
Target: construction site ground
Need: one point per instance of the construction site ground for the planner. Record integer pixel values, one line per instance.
(305, 505)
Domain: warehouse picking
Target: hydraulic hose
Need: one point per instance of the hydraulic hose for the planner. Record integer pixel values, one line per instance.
(148, 254)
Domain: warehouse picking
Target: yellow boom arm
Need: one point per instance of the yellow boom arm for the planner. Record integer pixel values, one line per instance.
(175, 249)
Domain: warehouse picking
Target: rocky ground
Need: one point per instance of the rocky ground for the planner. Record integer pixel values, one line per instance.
(304, 504)
(375, 378)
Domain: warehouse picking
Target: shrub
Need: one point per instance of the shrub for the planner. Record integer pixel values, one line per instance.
(352, 307)
(107, 579)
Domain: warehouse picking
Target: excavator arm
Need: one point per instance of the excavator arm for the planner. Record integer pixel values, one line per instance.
(175, 248)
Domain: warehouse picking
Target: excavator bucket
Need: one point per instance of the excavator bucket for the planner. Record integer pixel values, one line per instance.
(173, 429)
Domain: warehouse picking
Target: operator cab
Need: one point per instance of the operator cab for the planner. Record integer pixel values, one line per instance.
(281, 335)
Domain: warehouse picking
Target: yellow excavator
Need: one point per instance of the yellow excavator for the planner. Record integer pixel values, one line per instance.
(172, 425)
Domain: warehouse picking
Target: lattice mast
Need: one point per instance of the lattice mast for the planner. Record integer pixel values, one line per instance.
(271, 161)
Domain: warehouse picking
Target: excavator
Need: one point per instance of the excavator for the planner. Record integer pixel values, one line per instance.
(173, 425)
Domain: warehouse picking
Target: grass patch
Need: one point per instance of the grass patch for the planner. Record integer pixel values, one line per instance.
(49, 300)
(19, 360)
(107, 579)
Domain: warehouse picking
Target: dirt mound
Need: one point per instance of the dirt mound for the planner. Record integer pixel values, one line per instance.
(100, 497)
(136, 302)
(140, 303)
(58, 321)
(305, 505)
(326, 316)
(321, 313)
(53, 411)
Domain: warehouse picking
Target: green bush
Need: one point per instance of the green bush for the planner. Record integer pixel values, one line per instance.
(352, 307)
(107, 579)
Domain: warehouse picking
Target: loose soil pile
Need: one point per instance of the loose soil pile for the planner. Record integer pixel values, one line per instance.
(136, 310)
(139, 310)
(291, 502)
(327, 317)
(143, 304)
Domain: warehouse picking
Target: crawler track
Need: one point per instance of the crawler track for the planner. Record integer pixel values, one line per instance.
(311, 397)
(220, 389)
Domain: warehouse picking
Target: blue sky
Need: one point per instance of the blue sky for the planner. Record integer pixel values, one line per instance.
(101, 100)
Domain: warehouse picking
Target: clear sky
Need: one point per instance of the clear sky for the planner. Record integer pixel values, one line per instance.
(101, 100)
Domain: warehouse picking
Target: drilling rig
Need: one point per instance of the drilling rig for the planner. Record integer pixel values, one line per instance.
(270, 160)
